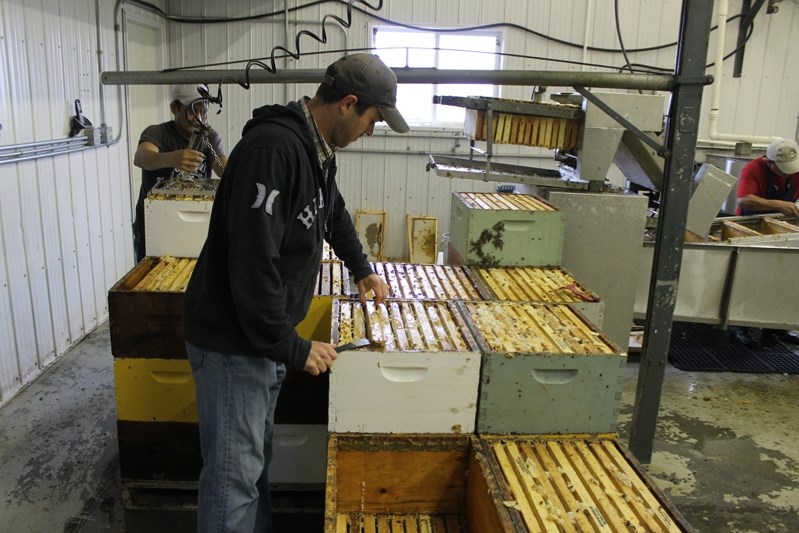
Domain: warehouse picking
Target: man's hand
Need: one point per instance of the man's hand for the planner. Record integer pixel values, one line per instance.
(187, 160)
(148, 157)
(789, 209)
(376, 284)
(320, 358)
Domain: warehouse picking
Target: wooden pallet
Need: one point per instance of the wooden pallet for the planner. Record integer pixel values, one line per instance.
(512, 202)
(514, 328)
(427, 282)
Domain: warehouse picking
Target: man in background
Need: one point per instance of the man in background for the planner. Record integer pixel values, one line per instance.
(769, 184)
(255, 277)
(164, 149)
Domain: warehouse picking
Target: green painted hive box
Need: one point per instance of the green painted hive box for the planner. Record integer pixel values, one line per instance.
(492, 229)
(545, 370)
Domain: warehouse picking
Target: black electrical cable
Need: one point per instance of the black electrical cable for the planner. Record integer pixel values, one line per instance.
(272, 66)
(221, 20)
(367, 49)
(214, 20)
(527, 30)
(618, 34)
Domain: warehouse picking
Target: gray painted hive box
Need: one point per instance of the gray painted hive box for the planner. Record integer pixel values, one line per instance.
(545, 370)
(491, 229)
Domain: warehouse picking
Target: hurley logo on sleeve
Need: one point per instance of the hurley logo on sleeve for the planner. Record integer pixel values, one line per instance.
(259, 199)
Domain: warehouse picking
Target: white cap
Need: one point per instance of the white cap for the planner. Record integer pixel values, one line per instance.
(186, 94)
(785, 154)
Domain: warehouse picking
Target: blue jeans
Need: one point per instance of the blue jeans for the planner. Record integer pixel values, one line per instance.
(236, 399)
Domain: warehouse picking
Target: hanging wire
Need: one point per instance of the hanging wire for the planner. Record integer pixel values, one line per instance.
(214, 20)
(618, 34)
(273, 57)
(271, 65)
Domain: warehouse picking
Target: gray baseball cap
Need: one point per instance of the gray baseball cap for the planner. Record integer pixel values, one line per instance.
(368, 78)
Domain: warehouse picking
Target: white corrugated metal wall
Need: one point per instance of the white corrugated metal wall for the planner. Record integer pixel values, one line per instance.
(64, 220)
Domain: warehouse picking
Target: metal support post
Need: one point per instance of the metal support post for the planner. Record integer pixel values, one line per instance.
(681, 135)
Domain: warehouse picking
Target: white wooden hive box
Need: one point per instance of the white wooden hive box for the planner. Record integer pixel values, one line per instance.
(421, 377)
(176, 227)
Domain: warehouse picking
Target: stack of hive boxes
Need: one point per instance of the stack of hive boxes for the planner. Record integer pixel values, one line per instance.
(156, 411)
(156, 407)
(542, 456)
(400, 452)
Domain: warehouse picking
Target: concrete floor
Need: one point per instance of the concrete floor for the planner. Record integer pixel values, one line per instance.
(726, 451)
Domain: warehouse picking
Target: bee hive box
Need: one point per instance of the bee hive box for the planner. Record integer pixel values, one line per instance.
(333, 281)
(545, 369)
(420, 376)
(540, 284)
(327, 252)
(428, 282)
(577, 484)
(174, 225)
(145, 308)
(525, 129)
(419, 483)
(491, 229)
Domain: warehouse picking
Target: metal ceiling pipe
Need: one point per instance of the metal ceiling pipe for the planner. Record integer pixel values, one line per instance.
(596, 80)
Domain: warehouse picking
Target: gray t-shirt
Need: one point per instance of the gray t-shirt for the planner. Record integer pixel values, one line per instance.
(167, 138)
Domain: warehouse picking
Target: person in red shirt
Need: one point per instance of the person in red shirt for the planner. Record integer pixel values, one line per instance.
(769, 184)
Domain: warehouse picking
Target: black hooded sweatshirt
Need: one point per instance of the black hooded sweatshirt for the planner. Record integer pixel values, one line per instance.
(256, 273)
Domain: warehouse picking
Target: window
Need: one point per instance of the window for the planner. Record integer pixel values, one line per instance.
(472, 50)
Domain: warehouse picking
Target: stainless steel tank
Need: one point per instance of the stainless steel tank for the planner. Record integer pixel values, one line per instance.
(732, 165)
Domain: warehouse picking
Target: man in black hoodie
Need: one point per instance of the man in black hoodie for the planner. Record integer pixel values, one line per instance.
(254, 279)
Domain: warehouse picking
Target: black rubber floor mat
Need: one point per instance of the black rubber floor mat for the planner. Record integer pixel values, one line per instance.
(706, 348)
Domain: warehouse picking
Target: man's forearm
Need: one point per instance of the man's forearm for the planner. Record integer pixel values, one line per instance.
(756, 203)
(763, 205)
(149, 160)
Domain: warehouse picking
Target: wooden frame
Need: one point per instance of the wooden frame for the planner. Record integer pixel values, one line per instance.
(422, 239)
(371, 228)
